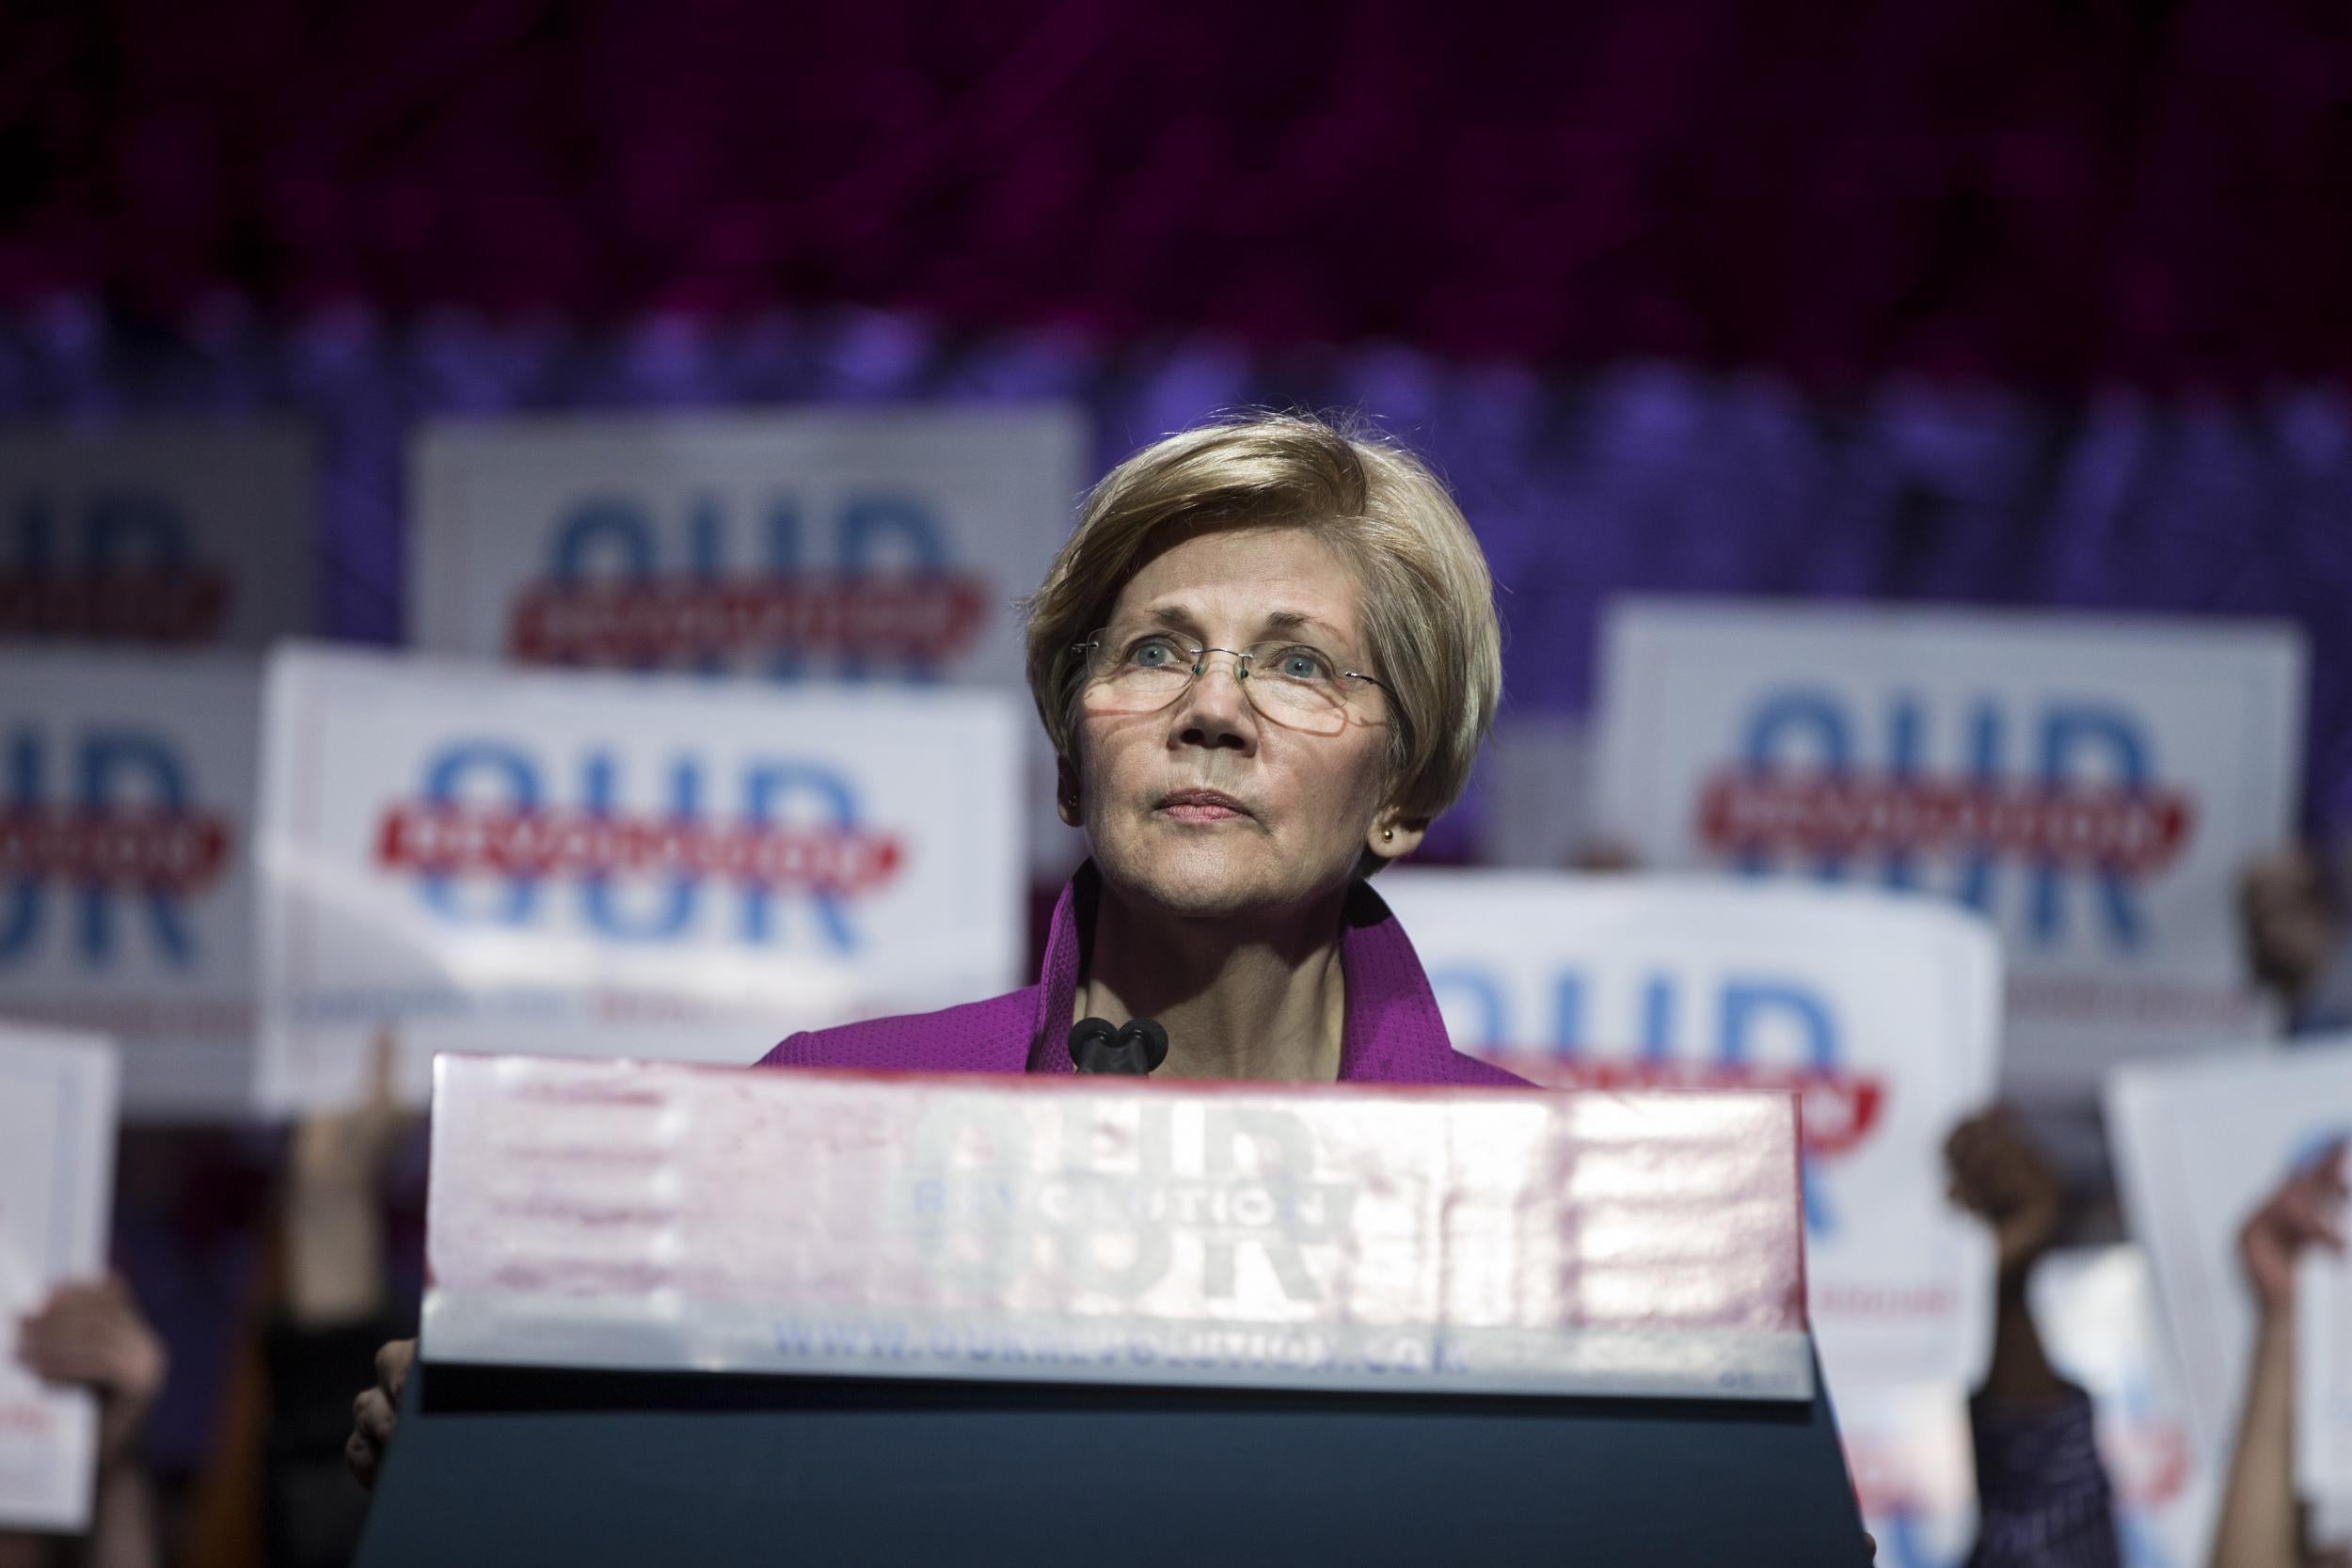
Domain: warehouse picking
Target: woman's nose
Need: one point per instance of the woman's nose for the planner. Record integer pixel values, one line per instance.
(1215, 710)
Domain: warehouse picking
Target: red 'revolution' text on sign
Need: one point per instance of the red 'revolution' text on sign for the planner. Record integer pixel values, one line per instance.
(164, 851)
(2086, 827)
(920, 617)
(453, 839)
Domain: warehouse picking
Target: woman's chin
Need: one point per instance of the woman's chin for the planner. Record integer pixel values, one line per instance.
(1211, 877)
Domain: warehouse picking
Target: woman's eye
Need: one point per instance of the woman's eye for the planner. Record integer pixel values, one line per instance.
(1155, 653)
(1301, 664)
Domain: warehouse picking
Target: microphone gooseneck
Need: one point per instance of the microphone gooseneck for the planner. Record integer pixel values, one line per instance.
(1096, 1045)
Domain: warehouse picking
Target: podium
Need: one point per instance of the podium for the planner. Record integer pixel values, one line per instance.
(512, 1466)
(628, 1455)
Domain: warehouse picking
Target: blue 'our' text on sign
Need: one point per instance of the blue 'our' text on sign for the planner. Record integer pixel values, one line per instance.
(487, 812)
(128, 833)
(2093, 757)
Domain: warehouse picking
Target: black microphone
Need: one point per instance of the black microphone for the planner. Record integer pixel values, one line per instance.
(1148, 1040)
(1133, 1052)
(1091, 1039)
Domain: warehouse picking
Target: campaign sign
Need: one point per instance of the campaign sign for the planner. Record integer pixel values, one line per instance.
(2096, 1308)
(1535, 800)
(2198, 1145)
(1914, 1476)
(188, 535)
(56, 1167)
(863, 545)
(475, 857)
(126, 895)
(2093, 785)
(1878, 1010)
(2323, 1391)
(1396, 1240)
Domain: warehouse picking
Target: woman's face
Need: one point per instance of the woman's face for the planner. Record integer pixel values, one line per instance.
(1209, 807)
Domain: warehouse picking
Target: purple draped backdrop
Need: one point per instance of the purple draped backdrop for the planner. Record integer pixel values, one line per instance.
(2037, 195)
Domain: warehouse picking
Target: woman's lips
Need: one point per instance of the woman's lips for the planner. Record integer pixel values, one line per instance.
(1201, 805)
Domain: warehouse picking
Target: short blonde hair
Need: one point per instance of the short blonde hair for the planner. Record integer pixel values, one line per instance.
(1429, 613)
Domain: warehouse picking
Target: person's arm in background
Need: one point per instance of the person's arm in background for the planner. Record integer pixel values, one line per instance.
(92, 1333)
(334, 1223)
(334, 1310)
(363, 1425)
(2260, 1525)
(2042, 1495)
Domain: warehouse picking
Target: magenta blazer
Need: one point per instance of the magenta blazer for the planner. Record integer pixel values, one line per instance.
(1394, 1031)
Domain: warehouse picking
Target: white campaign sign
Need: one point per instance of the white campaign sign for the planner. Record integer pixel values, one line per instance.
(2197, 1146)
(885, 545)
(1907, 1448)
(2093, 784)
(187, 534)
(57, 1165)
(583, 865)
(2323, 1391)
(1536, 808)
(1879, 1009)
(126, 884)
(2097, 1313)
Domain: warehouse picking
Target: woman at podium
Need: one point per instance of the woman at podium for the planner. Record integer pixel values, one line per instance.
(1266, 658)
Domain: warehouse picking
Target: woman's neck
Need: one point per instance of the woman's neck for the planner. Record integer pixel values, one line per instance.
(1236, 1001)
